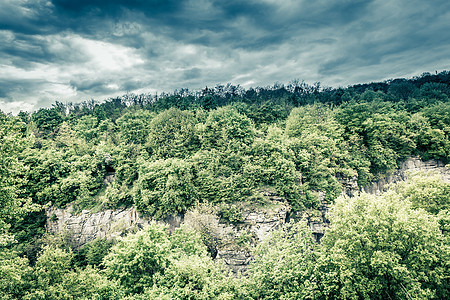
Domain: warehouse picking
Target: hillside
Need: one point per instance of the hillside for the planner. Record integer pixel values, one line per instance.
(219, 153)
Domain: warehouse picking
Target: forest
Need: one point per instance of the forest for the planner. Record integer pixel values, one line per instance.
(170, 153)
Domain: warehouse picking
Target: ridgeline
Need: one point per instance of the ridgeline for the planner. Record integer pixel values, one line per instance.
(219, 148)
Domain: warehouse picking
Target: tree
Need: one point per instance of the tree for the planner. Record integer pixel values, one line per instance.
(381, 130)
(209, 102)
(379, 247)
(190, 273)
(401, 89)
(137, 258)
(47, 121)
(134, 126)
(13, 204)
(320, 151)
(434, 91)
(271, 163)
(14, 272)
(51, 267)
(86, 127)
(192, 277)
(172, 133)
(226, 128)
(141, 260)
(164, 187)
(434, 141)
(54, 278)
(427, 191)
(218, 176)
(284, 265)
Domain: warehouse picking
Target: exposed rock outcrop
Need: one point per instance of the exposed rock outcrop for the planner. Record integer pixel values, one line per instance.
(231, 241)
(350, 186)
(87, 226)
(317, 220)
(256, 226)
(410, 166)
(235, 259)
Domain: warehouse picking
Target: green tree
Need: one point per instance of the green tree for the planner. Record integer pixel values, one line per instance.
(219, 176)
(268, 112)
(14, 205)
(86, 127)
(141, 260)
(14, 273)
(54, 277)
(134, 126)
(379, 247)
(51, 267)
(67, 139)
(226, 128)
(192, 277)
(88, 283)
(427, 191)
(284, 265)
(401, 89)
(135, 259)
(164, 187)
(209, 102)
(271, 163)
(172, 133)
(387, 140)
(47, 121)
(319, 149)
(190, 273)
(381, 132)
(434, 91)
(434, 141)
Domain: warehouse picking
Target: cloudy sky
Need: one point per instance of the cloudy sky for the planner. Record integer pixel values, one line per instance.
(75, 50)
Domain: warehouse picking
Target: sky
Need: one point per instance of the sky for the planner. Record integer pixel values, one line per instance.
(77, 50)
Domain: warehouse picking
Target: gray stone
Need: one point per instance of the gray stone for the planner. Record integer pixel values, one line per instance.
(86, 226)
(258, 222)
(410, 166)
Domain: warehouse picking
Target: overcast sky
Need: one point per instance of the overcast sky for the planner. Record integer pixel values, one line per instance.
(75, 50)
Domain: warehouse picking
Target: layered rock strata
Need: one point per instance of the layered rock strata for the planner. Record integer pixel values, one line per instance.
(410, 166)
(87, 226)
(233, 241)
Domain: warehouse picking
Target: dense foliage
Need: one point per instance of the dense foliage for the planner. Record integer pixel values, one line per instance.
(166, 154)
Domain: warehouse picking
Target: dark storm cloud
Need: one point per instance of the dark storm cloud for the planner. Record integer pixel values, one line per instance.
(191, 21)
(19, 86)
(100, 48)
(95, 86)
(391, 31)
(27, 17)
(192, 74)
(237, 23)
(104, 85)
(25, 51)
(113, 7)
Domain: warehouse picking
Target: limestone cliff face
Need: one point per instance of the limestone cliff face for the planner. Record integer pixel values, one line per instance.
(318, 221)
(87, 226)
(231, 241)
(235, 240)
(411, 165)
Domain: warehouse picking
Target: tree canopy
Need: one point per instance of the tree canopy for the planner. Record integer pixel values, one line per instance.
(221, 146)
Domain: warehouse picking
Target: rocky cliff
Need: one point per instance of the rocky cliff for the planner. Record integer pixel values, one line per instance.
(410, 166)
(232, 240)
(236, 240)
(87, 226)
